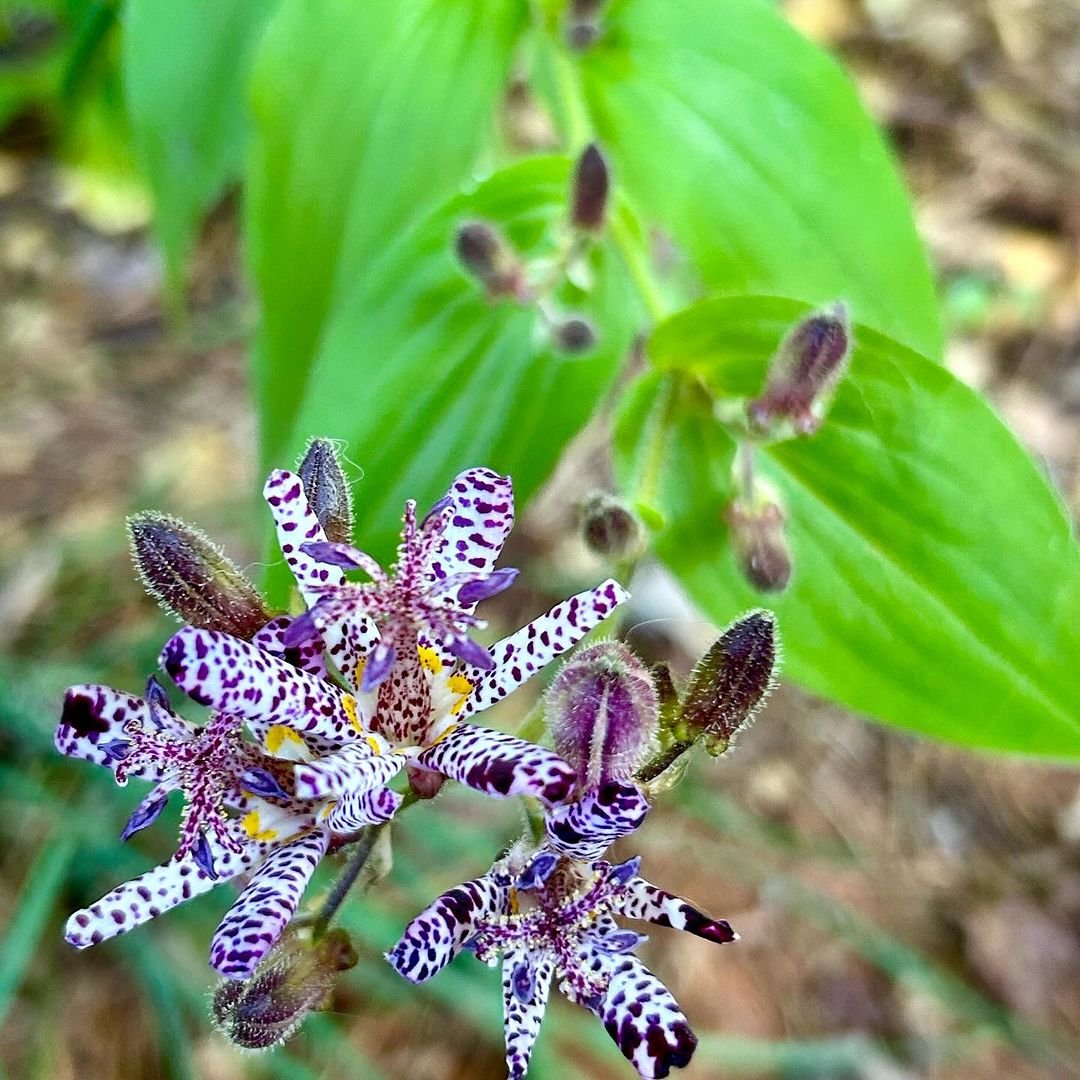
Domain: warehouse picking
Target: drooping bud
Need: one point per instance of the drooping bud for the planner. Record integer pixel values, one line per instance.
(327, 489)
(589, 190)
(425, 783)
(583, 23)
(189, 575)
(487, 256)
(760, 544)
(573, 336)
(803, 373)
(295, 979)
(603, 710)
(730, 682)
(610, 528)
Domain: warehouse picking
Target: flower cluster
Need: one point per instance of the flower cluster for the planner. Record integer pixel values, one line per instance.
(313, 715)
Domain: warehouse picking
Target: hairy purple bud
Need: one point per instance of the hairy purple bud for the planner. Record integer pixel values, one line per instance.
(296, 979)
(804, 371)
(603, 711)
(583, 23)
(589, 190)
(575, 335)
(191, 578)
(730, 682)
(487, 256)
(611, 528)
(760, 544)
(327, 490)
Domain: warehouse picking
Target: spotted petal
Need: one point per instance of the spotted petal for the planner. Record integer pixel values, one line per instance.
(526, 983)
(308, 656)
(438, 933)
(297, 525)
(92, 726)
(645, 1021)
(483, 515)
(499, 764)
(584, 829)
(255, 922)
(356, 769)
(240, 680)
(521, 655)
(153, 893)
(359, 808)
(642, 900)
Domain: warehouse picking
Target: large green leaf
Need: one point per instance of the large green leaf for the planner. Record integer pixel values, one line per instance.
(749, 145)
(422, 375)
(186, 66)
(368, 114)
(936, 584)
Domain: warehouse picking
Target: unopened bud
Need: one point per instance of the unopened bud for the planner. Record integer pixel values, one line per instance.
(805, 369)
(425, 783)
(611, 528)
(583, 23)
(760, 544)
(189, 575)
(602, 710)
(295, 980)
(576, 335)
(327, 490)
(730, 682)
(666, 694)
(484, 253)
(589, 191)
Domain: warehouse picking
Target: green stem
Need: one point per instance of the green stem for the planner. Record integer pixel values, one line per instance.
(357, 860)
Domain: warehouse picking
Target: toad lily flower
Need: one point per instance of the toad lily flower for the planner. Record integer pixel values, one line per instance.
(553, 917)
(240, 816)
(409, 627)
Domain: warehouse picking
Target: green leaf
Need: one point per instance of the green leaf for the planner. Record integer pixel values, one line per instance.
(936, 583)
(186, 65)
(423, 375)
(368, 114)
(749, 145)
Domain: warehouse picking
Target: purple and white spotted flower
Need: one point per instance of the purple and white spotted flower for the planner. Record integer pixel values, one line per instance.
(241, 815)
(552, 917)
(401, 642)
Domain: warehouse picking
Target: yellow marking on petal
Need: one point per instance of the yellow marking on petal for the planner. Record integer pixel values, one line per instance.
(515, 907)
(460, 685)
(348, 703)
(325, 812)
(360, 665)
(373, 743)
(251, 827)
(277, 735)
(429, 659)
(435, 742)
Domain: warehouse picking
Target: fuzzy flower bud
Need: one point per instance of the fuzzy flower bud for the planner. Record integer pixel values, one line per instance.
(583, 23)
(804, 371)
(760, 545)
(730, 682)
(486, 255)
(575, 335)
(589, 190)
(327, 489)
(611, 528)
(603, 712)
(187, 573)
(295, 979)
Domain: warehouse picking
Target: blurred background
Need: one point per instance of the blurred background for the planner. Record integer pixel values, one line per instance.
(906, 909)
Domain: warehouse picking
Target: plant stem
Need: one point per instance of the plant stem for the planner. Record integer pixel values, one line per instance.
(347, 879)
